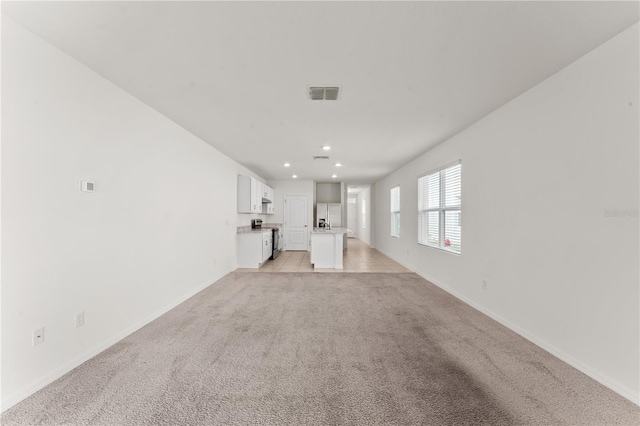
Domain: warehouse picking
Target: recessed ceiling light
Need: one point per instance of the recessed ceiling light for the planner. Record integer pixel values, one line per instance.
(326, 147)
(286, 164)
(334, 176)
(338, 165)
(294, 176)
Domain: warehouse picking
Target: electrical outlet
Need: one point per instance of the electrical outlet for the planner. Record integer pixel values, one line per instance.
(484, 284)
(215, 262)
(80, 319)
(38, 336)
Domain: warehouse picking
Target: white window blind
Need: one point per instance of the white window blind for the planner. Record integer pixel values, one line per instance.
(395, 211)
(440, 208)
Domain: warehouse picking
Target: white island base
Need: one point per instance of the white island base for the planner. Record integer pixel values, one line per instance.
(327, 246)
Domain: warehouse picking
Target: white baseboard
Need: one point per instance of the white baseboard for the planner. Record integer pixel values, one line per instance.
(31, 388)
(624, 391)
(620, 389)
(398, 261)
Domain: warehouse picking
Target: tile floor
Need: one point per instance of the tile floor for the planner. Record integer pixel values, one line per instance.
(358, 257)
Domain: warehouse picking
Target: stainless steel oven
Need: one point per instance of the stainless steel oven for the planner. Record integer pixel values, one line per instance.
(276, 242)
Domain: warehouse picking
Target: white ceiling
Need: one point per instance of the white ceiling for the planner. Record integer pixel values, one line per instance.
(412, 74)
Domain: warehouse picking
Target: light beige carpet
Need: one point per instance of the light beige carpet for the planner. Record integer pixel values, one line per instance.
(324, 349)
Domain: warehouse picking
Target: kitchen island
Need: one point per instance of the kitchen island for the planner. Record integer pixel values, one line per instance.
(327, 246)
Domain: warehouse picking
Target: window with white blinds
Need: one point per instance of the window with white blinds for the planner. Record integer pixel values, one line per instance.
(440, 209)
(395, 211)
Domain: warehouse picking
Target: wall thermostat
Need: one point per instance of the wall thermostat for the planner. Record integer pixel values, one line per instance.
(86, 186)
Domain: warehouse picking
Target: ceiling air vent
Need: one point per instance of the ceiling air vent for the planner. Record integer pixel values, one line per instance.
(318, 93)
(320, 157)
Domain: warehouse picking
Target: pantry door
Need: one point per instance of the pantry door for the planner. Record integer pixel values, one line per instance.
(296, 230)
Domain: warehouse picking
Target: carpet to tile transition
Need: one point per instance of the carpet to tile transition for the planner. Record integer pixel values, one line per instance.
(324, 349)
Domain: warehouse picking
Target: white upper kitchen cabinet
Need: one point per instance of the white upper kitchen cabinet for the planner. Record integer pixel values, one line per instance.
(249, 195)
(257, 195)
(267, 194)
(267, 208)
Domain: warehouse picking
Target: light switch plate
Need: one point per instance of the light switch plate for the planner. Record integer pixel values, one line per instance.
(80, 319)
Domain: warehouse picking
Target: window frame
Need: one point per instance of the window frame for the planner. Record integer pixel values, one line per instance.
(441, 209)
(395, 214)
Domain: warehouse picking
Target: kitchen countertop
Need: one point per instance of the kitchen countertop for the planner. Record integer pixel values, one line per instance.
(329, 231)
(266, 227)
(262, 230)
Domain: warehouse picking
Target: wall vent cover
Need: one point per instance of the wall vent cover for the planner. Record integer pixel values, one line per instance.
(320, 157)
(322, 93)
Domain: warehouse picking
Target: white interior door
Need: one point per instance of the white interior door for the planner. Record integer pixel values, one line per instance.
(296, 230)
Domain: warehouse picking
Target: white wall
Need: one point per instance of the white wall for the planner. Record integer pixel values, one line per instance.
(325, 193)
(364, 222)
(292, 187)
(538, 175)
(343, 202)
(160, 226)
(328, 192)
(352, 214)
